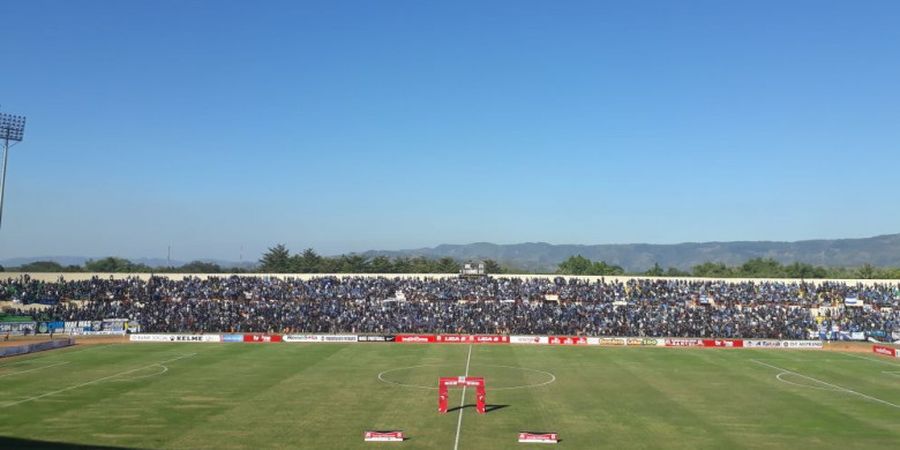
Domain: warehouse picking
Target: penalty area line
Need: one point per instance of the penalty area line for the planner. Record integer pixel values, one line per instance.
(462, 402)
(834, 386)
(36, 368)
(98, 380)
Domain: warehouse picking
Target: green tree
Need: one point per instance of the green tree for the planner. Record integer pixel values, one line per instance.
(712, 270)
(41, 266)
(199, 267)
(761, 268)
(576, 265)
(491, 266)
(306, 262)
(602, 268)
(447, 265)
(866, 272)
(655, 271)
(803, 270)
(276, 260)
(381, 264)
(111, 264)
(676, 272)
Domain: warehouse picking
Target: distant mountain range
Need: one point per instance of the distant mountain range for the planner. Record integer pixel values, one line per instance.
(152, 262)
(880, 251)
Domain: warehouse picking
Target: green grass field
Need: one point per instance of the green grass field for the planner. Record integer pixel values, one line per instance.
(323, 396)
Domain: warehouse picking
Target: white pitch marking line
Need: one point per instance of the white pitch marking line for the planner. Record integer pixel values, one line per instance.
(36, 368)
(840, 388)
(462, 402)
(47, 394)
(164, 370)
(778, 377)
(872, 359)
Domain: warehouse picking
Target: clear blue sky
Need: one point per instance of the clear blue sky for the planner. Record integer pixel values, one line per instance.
(348, 126)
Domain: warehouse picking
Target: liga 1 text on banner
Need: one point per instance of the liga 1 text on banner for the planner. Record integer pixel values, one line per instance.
(538, 438)
(383, 436)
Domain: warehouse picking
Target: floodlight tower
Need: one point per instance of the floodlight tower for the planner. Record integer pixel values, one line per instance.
(12, 129)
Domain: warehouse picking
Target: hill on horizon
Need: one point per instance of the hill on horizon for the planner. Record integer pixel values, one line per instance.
(879, 251)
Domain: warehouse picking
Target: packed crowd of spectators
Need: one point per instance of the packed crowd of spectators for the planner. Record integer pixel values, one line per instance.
(638, 307)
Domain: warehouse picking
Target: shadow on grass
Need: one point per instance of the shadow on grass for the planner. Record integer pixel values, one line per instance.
(487, 408)
(17, 443)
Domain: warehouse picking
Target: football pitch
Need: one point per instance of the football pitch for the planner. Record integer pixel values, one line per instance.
(324, 396)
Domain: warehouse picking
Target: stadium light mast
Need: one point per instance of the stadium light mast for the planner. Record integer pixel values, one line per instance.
(12, 129)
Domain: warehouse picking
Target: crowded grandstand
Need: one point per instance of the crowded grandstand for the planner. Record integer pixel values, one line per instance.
(482, 305)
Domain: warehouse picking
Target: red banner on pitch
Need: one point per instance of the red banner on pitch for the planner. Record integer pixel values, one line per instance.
(886, 351)
(383, 436)
(541, 438)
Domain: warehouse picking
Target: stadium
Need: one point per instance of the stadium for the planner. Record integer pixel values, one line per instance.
(457, 225)
(451, 367)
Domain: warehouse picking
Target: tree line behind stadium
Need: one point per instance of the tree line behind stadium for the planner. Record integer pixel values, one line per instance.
(279, 259)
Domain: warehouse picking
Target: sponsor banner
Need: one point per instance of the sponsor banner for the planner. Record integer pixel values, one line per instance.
(262, 338)
(18, 327)
(615, 341)
(471, 339)
(567, 340)
(383, 436)
(340, 338)
(100, 333)
(645, 342)
(320, 338)
(454, 338)
(492, 339)
(683, 343)
(302, 338)
(538, 438)
(727, 343)
(534, 340)
(374, 339)
(233, 338)
(771, 343)
(204, 338)
(416, 338)
(886, 351)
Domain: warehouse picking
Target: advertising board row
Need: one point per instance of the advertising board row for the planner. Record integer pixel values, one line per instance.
(103, 327)
(482, 339)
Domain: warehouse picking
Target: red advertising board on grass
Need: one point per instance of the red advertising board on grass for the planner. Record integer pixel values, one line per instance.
(539, 438)
(383, 436)
(886, 351)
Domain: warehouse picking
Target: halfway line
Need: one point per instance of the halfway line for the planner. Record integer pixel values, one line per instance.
(462, 402)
